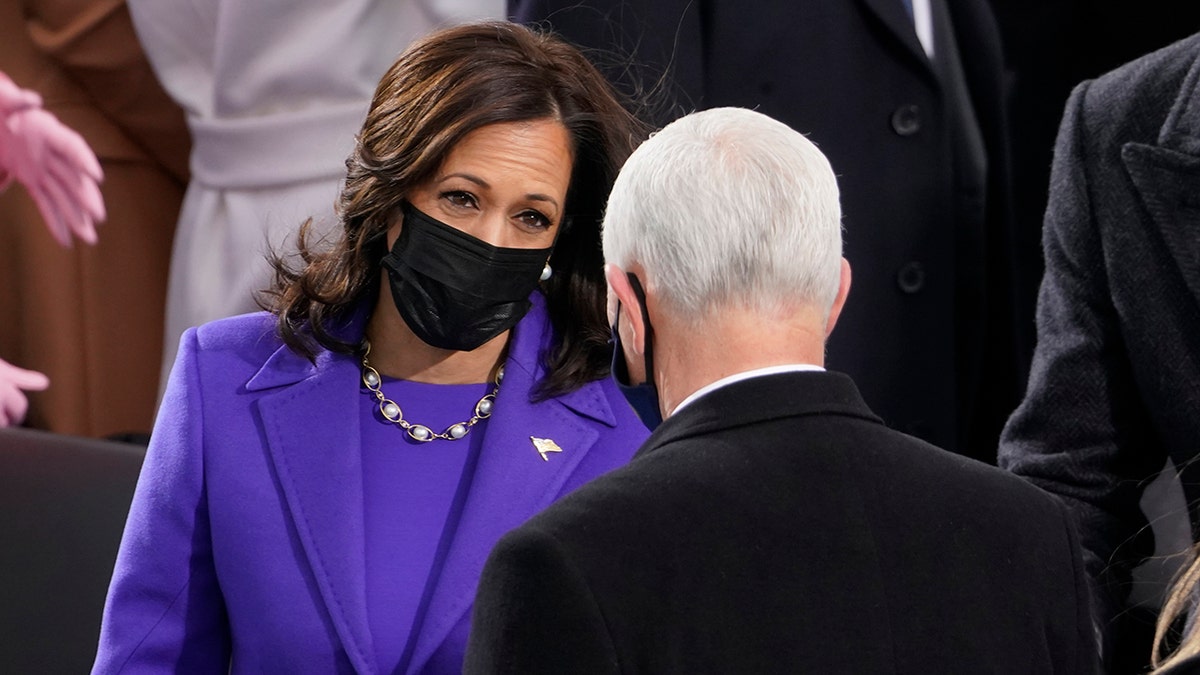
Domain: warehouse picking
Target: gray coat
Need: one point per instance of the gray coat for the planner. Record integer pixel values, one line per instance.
(1115, 385)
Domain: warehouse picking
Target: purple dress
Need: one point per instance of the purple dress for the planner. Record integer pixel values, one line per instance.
(413, 496)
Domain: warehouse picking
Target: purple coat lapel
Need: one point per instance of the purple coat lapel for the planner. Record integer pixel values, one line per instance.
(312, 432)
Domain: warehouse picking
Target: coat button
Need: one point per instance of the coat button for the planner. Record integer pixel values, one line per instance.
(911, 277)
(906, 121)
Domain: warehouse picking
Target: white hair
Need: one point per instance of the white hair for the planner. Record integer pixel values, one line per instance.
(728, 207)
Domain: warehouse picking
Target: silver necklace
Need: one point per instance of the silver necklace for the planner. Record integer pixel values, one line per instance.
(419, 432)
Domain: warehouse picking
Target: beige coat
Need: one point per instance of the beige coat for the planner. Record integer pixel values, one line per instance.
(91, 317)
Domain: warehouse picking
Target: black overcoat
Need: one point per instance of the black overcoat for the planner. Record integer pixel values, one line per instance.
(776, 526)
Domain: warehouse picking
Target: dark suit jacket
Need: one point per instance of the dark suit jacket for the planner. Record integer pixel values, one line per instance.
(1115, 385)
(932, 255)
(776, 526)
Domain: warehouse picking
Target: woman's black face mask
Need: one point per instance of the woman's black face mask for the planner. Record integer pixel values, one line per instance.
(455, 291)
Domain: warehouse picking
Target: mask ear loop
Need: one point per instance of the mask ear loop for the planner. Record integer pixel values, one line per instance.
(620, 369)
(649, 337)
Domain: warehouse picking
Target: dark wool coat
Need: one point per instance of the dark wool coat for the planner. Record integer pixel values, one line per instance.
(776, 526)
(1115, 385)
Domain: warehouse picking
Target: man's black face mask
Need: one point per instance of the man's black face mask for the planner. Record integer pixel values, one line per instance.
(643, 398)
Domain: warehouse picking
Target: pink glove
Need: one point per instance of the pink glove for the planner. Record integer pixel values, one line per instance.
(12, 399)
(53, 162)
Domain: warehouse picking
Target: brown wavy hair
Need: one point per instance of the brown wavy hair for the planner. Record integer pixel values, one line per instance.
(441, 88)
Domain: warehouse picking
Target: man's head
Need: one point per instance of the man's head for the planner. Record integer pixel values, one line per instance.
(728, 207)
(727, 214)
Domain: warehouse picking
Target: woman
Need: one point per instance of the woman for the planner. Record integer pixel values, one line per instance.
(325, 481)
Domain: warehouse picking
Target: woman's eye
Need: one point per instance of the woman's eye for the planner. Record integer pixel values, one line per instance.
(534, 220)
(459, 198)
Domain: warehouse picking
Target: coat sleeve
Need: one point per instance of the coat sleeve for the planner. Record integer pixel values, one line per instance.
(1082, 431)
(164, 611)
(535, 613)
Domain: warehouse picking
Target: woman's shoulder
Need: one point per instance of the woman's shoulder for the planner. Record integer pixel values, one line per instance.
(624, 422)
(252, 332)
(249, 343)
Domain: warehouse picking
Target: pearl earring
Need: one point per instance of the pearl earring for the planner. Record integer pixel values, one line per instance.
(546, 272)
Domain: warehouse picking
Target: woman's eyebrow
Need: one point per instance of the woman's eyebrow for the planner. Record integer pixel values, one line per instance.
(533, 196)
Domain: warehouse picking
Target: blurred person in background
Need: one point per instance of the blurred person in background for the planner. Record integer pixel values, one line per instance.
(90, 318)
(274, 91)
(907, 99)
(61, 175)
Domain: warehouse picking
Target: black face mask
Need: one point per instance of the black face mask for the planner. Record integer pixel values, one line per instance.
(455, 291)
(643, 398)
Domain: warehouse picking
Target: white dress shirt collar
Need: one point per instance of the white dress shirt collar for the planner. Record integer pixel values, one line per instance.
(738, 377)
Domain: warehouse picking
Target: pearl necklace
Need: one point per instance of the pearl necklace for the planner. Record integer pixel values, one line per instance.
(419, 432)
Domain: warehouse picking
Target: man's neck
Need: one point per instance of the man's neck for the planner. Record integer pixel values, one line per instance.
(732, 342)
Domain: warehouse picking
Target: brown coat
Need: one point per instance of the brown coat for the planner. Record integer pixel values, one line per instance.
(91, 317)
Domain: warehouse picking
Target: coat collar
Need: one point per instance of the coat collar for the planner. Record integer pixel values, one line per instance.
(311, 429)
(1167, 178)
(894, 20)
(311, 425)
(761, 399)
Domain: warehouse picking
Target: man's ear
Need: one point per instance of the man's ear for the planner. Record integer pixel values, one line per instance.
(631, 325)
(840, 301)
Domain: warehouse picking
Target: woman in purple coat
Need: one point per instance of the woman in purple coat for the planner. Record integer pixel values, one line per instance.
(325, 481)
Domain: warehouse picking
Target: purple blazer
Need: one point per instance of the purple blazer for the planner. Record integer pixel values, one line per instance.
(244, 548)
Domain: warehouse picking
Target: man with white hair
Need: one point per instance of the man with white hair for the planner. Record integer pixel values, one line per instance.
(772, 523)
